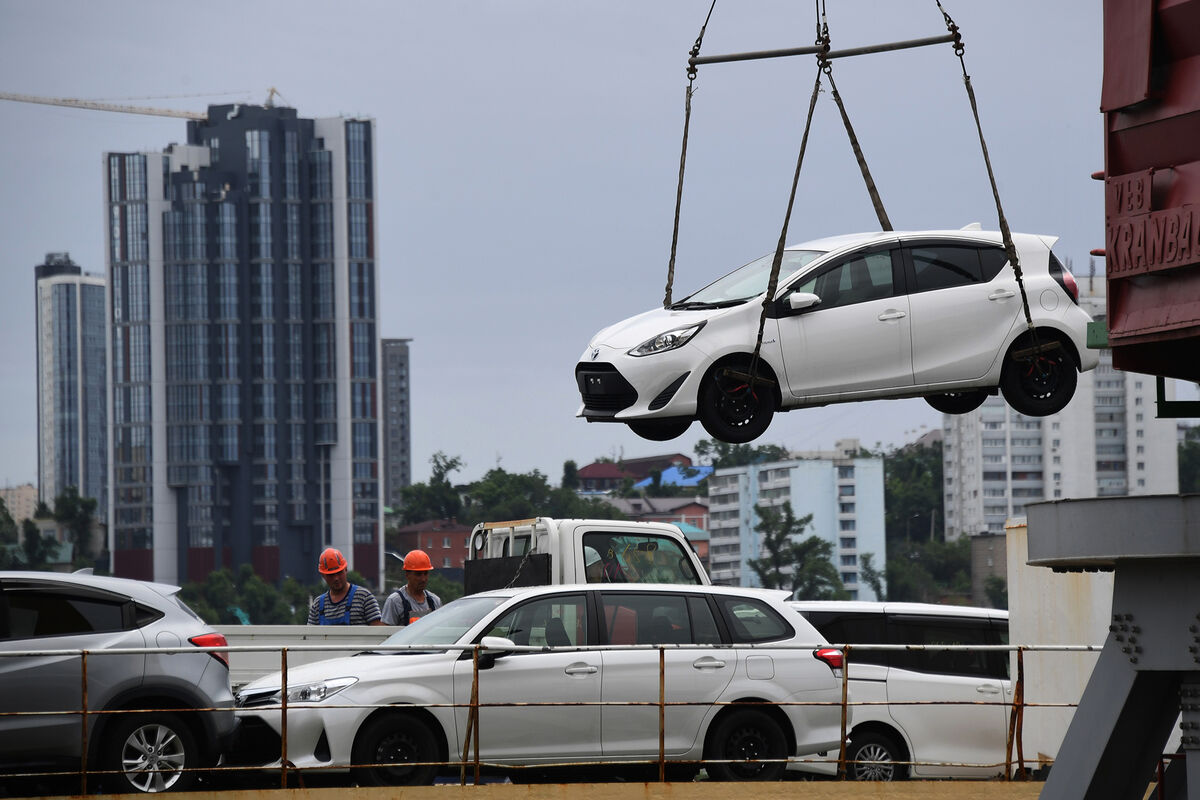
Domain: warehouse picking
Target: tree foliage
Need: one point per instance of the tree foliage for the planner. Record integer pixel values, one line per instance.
(437, 499)
(913, 497)
(78, 514)
(503, 495)
(996, 589)
(929, 572)
(722, 454)
(804, 566)
(38, 549)
(872, 576)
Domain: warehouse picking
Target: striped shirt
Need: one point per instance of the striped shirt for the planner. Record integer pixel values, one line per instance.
(364, 610)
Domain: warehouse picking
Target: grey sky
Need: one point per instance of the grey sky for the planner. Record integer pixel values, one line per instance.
(527, 155)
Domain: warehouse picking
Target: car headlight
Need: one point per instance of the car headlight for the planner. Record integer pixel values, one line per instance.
(669, 340)
(318, 691)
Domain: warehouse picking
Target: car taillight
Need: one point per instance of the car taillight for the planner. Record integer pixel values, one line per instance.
(830, 655)
(213, 640)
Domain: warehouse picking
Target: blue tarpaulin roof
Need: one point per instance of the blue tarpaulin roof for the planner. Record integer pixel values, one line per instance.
(675, 476)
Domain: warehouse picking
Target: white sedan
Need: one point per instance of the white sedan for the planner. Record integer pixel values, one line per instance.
(933, 314)
(392, 715)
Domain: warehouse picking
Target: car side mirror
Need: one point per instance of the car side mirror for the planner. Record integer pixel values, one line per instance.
(798, 301)
(494, 647)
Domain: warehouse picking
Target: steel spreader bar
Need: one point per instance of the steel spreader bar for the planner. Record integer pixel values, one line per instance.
(756, 55)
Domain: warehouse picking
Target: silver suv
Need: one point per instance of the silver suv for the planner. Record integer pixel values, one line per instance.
(177, 708)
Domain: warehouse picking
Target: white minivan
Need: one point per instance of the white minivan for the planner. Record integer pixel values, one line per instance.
(920, 713)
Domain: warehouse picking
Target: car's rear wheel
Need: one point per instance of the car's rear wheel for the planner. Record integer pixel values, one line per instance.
(395, 750)
(749, 746)
(873, 757)
(957, 402)
(733, 408)
(149, 753)
(660, 430)
(1041, 383)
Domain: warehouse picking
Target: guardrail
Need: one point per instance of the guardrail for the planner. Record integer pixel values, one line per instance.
(1014, 765)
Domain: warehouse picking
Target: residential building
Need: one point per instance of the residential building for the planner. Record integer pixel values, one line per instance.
(1107, 441)
(21, 501)
(841, 489)
(71, 374)
(445, 541)
(244, 348)
(601, 477)
(397, 432)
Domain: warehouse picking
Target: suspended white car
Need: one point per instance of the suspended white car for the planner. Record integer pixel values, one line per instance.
(933, 314)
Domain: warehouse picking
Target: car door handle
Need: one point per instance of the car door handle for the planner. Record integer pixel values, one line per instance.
(708, 663)
(580, 669)
(893, 314)
(988, 689)
(1001, 294)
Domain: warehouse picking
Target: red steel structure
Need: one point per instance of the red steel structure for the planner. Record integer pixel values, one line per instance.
(1151, 105)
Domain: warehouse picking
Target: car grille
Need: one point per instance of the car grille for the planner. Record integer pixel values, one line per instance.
(263, 697)
(603, 389)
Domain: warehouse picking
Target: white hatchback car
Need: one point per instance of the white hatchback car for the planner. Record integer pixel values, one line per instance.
(933, 314)
(385, 713)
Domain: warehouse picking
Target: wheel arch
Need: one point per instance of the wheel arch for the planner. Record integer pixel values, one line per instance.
(1025, 339)
(404, 710)
(884, 729)
(759, 704)
(743, 360)
(151, 702)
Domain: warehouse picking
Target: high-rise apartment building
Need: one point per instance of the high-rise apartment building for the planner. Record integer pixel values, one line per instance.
(243, 294)
(842, 490)
(397, 435)
(1106, 442)
(71, 358)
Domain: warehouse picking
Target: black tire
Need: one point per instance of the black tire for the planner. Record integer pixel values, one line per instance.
(660, 430)
(145, 753)
(872, 757)
(401, 742)
(729, 410)
(1039, 385)
(747, 734)
(957, 402)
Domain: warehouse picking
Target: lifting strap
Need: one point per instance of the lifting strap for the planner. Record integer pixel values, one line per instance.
(687, 118)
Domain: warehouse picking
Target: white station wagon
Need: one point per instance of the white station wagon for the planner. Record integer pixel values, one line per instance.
(388, 715)
(933, 314)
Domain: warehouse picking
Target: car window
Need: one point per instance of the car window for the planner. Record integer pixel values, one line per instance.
(751, 279)
(751, 620)
(921, 630)
(555, 621)
(640, 558)
(36, 613)
(657, 619)
(842, 627)
(992, 260)
(945, 266)
(861, 278)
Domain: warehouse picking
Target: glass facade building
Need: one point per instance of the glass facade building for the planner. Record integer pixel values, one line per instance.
(71, 358)
(245, 426)
(397, 435)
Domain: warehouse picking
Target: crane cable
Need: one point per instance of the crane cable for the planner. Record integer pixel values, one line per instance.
(687, 117)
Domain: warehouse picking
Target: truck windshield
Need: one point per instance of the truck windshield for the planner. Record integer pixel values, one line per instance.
(637, 558)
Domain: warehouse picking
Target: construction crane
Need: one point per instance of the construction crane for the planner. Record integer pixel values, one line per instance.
(94, 105)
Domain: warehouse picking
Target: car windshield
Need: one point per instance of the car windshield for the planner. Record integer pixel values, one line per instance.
(750, 280)
(448, 624)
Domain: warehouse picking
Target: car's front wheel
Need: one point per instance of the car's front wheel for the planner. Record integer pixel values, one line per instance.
(957, 402)
(873, 757)
(747, 745)
(149, 753)
(1040, 383)
(732, 407)
(395, 750)
(660, 430)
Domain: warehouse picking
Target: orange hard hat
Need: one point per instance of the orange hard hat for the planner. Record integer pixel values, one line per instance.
(331, 561)
(417, 561)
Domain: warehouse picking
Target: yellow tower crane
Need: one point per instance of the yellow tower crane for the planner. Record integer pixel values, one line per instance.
(94, 105)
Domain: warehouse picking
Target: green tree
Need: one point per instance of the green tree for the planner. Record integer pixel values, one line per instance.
(437, 499)
(912, 488)
(8, 526)
(78, 514)
(803, 565)
(570, 476)
(872, 576)
(722, 454)
(506, 495)
(38, 549)
(929, 572)
(996, 589)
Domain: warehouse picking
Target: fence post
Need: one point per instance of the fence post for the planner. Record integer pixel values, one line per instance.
(83, 741)
(283, 727)
(1019, 708)
(472, 722)
(662, 715)
(845, 697)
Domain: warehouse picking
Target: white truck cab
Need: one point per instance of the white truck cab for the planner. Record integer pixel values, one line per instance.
(542, 551)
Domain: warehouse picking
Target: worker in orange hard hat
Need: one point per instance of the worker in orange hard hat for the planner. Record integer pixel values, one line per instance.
(345, 603)
(413, 600)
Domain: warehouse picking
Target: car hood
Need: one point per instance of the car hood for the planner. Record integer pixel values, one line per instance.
(392, 665)
(629, 333)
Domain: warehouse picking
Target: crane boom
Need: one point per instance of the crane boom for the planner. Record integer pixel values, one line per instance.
(93, 105)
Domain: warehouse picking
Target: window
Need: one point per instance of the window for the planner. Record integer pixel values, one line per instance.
(861, 278)
(917, 629)
(555, 621)
(946, 266)
(37, 613)
(658, 619)
(752, 621)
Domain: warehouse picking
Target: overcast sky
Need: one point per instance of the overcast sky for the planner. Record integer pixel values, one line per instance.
(527, 157)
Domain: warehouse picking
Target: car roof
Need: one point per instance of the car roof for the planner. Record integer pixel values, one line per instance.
(644, 588)
(127, 586)
(849, 240)
(917, 609)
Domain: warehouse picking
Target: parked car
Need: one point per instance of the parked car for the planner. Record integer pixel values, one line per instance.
(400, 709)
(945, 710)
(173, 734)
(933, 314)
